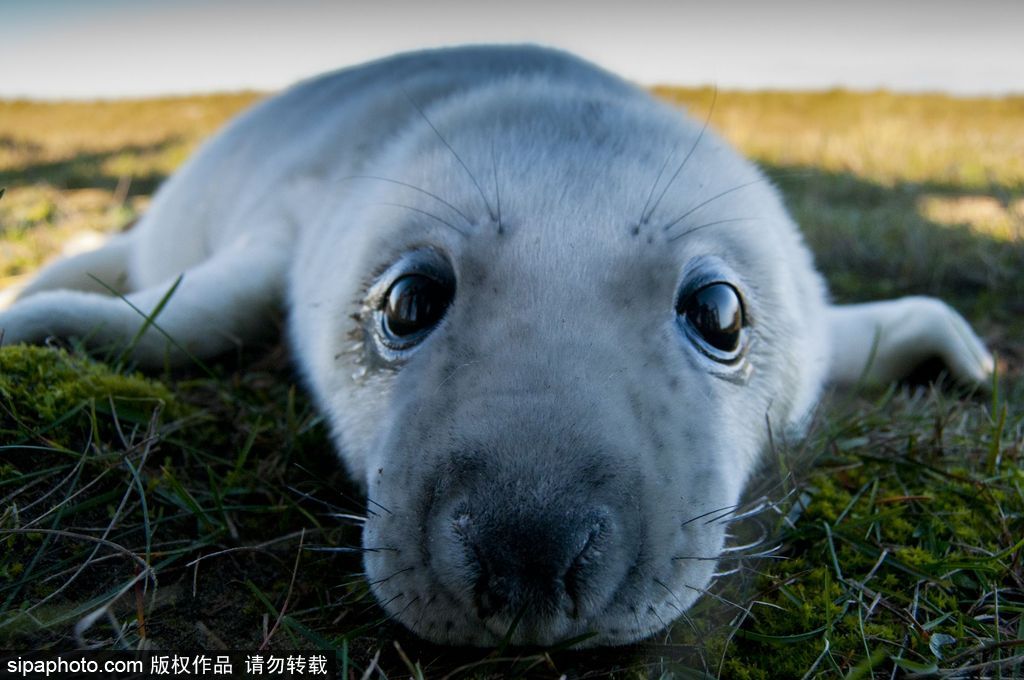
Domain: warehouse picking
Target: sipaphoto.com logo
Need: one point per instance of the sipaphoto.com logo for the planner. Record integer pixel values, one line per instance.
(174, 665)
(73, 665)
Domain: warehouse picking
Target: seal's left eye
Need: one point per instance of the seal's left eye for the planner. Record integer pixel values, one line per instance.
(413, 305)
(714, 314)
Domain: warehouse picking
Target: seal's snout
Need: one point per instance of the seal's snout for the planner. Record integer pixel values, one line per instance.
(540, 567)
(516, 555)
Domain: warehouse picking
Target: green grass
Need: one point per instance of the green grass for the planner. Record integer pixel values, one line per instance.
(197, 510)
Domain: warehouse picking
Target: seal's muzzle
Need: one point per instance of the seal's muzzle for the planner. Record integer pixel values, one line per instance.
(540, 552)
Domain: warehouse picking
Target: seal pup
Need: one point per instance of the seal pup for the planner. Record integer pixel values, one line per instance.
(550, 321)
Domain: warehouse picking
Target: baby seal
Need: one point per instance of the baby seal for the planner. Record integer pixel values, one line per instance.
(550, 320)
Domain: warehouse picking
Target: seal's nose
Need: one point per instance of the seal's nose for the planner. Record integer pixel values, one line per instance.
(544, 556)
(533, 566)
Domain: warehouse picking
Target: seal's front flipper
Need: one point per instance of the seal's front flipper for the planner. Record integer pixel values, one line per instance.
(880, 342)
(211, 308)
(103, 270)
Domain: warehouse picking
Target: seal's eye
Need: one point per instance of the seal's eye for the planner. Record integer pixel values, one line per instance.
(715, 314)
(411, 307)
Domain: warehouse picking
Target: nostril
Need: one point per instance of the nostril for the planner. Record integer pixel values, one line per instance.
(486, 597)
(461, 525)
(586, 557)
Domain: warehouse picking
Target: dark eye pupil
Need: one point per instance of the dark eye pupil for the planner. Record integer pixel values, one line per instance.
(414, 303)
(716, 313)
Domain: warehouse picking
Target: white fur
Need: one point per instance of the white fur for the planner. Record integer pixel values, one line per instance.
(562, 337)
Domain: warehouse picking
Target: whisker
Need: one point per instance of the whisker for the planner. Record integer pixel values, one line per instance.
(423, 610)
(702, 640)
(389, 577)
(774, 178)
(745, 546)
(428, 214)
(359, 519)
(663, 622)
(431, 194)
(679, 605)
(733, 506)
(762, 504)
(697, 558)
(381, 605)
(370, 500)
(760, 540)
(709, 593)
(636, 617)
(309, 497)
(347, 549)
(444, 141)
(406, 607)
(650, 194)
(749, 513)
(712, 200)
(696, 142)
(497, 188)
(359, 579)
(708, 224)
(765, 555)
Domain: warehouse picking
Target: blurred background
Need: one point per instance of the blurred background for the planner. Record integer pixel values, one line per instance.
(118, 48)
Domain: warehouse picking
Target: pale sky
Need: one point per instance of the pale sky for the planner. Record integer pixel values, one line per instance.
(117, 48)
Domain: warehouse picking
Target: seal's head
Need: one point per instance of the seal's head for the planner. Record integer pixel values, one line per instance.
(551, 337)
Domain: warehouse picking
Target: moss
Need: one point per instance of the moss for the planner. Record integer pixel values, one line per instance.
(48, 383)
(859, 564)
(59, 401)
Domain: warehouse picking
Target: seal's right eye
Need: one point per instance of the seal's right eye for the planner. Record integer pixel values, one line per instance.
(713, 317)
(412, 306)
